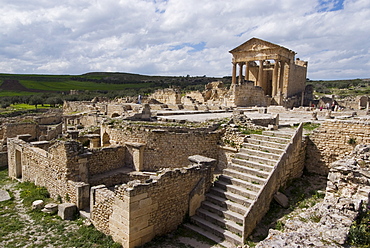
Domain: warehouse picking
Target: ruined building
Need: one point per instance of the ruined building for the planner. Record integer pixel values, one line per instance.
(272, 68)
(263, 74)
(138, 175)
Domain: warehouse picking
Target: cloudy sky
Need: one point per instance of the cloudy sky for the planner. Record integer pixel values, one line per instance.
(180, 37)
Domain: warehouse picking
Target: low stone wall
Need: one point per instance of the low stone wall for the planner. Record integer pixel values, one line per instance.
(333, 140)
(139, 211)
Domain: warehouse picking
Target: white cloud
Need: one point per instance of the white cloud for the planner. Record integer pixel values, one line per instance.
(74, 37)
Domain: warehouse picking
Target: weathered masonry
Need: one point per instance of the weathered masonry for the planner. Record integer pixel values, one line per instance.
(271, 67)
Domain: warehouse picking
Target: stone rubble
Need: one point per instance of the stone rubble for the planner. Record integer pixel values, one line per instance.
(327, 223)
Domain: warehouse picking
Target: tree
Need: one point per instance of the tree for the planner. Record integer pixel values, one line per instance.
(34, 100)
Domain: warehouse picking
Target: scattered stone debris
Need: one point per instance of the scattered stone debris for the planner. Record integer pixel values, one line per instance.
(4, 195)
(50, 208)
(327, 223)
(38, 204)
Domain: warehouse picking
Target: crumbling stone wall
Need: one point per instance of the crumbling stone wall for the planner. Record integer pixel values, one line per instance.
(161, 146)
(140, 211)
(167, 96)
(85, 106)
(57, 169)
(333, 140)
(11, 130)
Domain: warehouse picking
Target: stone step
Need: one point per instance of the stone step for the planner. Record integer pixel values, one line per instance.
(281, 134)
(222, 211)
(251, 158)
(244, 176)
(236, 189)
(266, 143)
(216, 230)
(227, 224)
(211, 236)
(260, 153)
(250, 167)
(240, 183)
(236, 207)
(270, 138)
(231, 196)
(263, 148)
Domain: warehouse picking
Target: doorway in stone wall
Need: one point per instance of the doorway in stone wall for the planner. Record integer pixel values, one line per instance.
(106, 139)
(18, 164)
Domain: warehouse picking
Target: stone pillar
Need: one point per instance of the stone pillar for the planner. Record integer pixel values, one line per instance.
(246, 76)
(136, 151)
(260, 74)
(281, 77)
(233, 80)
(240, 72)
(275, 78)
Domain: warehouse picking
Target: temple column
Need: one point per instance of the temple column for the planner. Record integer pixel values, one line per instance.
(281, 77)
(240, 72)
(246, 76)
(233, 79)
(260, 74)
(275, 78)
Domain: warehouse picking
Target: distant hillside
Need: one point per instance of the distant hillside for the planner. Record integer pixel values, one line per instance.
(14, 85)
(100, 81)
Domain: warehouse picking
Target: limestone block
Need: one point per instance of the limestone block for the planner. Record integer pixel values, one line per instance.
(67, 211)
(281, 199)
(38, 204)
(50, 208)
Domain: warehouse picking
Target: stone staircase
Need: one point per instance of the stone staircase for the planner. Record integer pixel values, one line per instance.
(221, 216)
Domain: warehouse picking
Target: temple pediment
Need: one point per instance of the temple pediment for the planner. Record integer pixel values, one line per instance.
(257, 45)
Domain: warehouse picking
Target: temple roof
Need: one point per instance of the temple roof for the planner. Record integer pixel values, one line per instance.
(256, 44)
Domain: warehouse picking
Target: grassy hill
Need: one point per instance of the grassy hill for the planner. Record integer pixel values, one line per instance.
(96, 81)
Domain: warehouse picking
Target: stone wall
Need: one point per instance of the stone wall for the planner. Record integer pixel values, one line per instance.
(105, 159)
(297, 78)
(167, 96)
(3, 159)
(57, 168)
(85, 106)
(11, 130)
(142, 210)
(333, 140)
(161, 146)
(246, 95)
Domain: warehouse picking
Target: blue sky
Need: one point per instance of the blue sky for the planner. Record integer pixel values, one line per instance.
(180, 37)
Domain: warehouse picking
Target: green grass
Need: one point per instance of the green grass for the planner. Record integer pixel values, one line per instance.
(24, 106)
(310, 126)
(359, 234)
(76, 85)
(45, 230)
(15, 93)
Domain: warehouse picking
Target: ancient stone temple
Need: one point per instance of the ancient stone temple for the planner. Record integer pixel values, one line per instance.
(271, 67)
